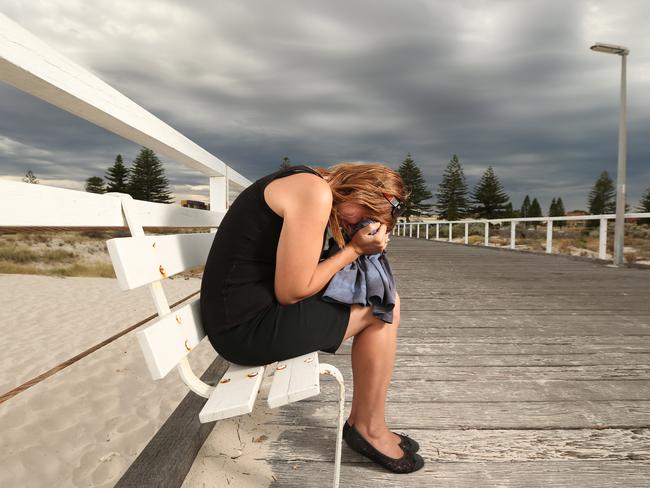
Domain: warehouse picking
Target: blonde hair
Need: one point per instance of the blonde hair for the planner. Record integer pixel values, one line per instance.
(363, 184)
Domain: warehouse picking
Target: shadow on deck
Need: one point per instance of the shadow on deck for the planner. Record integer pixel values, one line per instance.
(512, 370)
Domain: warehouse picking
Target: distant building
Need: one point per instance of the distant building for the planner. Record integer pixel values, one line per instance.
(195, 204)
(576, 223)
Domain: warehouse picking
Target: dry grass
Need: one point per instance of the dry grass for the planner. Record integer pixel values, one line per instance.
(68, 253)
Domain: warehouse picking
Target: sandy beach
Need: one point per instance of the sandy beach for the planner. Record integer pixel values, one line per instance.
(86, 424)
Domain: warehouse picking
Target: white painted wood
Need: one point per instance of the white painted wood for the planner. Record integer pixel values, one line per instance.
(32, 66)
(139, 261)
(437, 231)
(234, 395)
(486, 242)
(426, 231)
(549, 236)
(602, 239)
(25, 204)
(193, 382)
(513, 226)
(171, 338)
(417, 231)
(295, 379)
(466, 233)
(450, 232)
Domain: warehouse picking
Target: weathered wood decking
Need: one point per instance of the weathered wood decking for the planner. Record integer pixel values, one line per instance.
(513, 369)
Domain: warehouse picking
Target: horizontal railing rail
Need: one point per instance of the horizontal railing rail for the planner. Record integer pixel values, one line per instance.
(402, 227)
(32, 66)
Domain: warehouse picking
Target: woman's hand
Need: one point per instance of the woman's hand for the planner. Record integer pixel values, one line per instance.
(364, 242)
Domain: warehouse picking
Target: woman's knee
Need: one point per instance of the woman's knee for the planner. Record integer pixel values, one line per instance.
(362, 317)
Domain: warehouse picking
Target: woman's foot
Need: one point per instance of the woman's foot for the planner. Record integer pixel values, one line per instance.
(402, 440)
(383, 451)
(384, 440)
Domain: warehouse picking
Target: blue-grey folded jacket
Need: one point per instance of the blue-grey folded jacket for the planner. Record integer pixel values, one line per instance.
(368, 281)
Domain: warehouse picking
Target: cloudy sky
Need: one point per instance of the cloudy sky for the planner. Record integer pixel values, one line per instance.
(510, 84)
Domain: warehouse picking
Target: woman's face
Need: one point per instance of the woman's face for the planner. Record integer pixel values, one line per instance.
(350, 214)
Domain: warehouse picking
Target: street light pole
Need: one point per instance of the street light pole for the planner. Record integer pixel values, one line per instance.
(619, 227)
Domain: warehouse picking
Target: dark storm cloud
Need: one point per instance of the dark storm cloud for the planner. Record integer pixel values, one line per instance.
(504, 83)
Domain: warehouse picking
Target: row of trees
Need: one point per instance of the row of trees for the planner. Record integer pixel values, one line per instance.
(489, 200)
(145, 180)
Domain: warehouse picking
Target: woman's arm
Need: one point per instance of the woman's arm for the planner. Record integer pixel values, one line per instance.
(298, 274)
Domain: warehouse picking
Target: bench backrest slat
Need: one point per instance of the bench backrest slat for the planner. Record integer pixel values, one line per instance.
(170, 338)
(139, 261)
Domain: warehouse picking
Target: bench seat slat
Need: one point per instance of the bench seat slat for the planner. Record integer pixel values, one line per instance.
(233, 397)
(139, 261)
(170, 338)
(300, 379)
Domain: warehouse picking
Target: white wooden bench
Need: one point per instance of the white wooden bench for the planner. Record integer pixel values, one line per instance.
(146, 260)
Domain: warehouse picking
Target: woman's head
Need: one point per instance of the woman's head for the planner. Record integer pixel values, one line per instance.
(362, 191)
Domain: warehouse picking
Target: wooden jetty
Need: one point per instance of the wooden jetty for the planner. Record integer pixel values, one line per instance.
(513, 370)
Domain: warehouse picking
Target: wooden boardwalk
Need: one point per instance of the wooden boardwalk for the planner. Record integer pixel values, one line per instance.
(513, 370)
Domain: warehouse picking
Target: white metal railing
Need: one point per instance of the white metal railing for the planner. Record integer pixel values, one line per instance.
(402, 228)
(32, 66)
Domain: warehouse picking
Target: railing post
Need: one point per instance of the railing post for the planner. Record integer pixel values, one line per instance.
(437, 232)
(602, 239)
(487, 233)
(417, 234)
(549, 236)
(513, 224)
(450, 224)
(218, 194)
(426, 232)
(466, 231)
(410, 229)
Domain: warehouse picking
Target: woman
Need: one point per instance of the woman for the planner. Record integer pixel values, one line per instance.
(263, 282)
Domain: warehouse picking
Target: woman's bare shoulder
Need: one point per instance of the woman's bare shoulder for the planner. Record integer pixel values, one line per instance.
(291, 190)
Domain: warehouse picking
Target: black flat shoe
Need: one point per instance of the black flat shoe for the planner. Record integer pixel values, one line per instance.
(408, 463)
(407, 444)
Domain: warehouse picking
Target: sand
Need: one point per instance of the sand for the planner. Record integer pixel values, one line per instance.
(86, 424)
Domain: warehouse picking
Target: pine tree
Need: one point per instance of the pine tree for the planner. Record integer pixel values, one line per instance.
(558, 211)
(30, 178)
(644, 206)
(525, 207)
(95, 184)
(147, 180)
(510, 213)
(602, 198)
(551, 208)
(451, 197)
(415, 187)
(285, 164)
(117, 176)
(489, 198)
(535, 211)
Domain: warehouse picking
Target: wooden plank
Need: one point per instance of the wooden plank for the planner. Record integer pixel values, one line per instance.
(482, 445)
(294, 380)
(168, 457)
(577, 414)
(139, 261)
(171, 338)
(32, 66)
(235, 394)
(42, 205)
(425, 390)
(463, 474)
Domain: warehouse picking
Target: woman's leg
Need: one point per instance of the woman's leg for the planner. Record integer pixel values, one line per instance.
(373, 358)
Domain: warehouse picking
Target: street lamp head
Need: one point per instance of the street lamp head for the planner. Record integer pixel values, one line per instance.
(601, 47)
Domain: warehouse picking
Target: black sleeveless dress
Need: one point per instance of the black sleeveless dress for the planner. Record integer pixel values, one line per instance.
(241, 315)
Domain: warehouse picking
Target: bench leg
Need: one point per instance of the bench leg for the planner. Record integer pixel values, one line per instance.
(333, 371)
